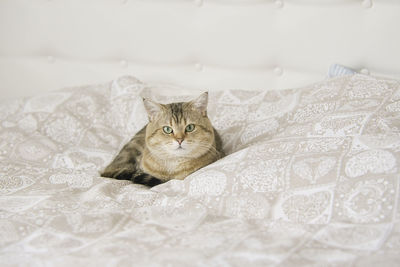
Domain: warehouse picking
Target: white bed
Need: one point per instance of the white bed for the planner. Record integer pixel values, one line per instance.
(311, 176)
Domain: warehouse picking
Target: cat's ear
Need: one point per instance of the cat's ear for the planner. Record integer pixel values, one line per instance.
(152, 108)
(200, 103)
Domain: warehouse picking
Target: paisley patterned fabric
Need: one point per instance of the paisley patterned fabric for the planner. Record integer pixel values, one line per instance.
(311, 178)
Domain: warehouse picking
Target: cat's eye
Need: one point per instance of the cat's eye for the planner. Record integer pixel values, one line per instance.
(189, 128)
(167, 129)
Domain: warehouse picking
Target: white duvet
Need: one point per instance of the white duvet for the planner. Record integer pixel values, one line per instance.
(311, 179)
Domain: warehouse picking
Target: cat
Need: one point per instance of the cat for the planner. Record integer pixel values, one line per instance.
(178, 140)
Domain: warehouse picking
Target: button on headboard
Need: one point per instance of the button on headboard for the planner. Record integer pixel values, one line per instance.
(199, 44)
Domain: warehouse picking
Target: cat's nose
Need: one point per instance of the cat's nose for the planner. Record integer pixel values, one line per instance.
(179, 140)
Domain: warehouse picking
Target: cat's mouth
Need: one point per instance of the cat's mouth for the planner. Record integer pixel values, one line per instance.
(180, 148)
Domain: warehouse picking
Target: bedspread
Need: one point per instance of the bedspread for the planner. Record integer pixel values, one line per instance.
(311, 178)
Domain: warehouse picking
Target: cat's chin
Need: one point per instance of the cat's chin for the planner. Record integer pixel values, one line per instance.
(180, 151)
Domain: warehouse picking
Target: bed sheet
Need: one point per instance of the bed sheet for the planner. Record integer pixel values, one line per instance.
(311, 178)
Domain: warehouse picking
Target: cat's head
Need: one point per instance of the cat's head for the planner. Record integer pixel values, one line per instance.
(179, 129)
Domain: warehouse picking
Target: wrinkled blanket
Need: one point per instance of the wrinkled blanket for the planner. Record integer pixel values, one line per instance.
(311, 178)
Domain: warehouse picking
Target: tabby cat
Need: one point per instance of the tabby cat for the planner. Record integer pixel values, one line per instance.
(178, 140)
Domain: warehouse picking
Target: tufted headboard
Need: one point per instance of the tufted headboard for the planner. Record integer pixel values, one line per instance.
(198, 44)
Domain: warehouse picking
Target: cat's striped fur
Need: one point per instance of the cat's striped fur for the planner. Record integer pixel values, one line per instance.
(154, 156)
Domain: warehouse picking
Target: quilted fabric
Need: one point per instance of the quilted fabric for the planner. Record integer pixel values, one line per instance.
(311, 178)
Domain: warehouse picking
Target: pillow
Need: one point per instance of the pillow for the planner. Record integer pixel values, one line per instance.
(336, 70)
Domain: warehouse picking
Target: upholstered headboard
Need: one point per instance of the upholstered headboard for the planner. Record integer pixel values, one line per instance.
(201, 44)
